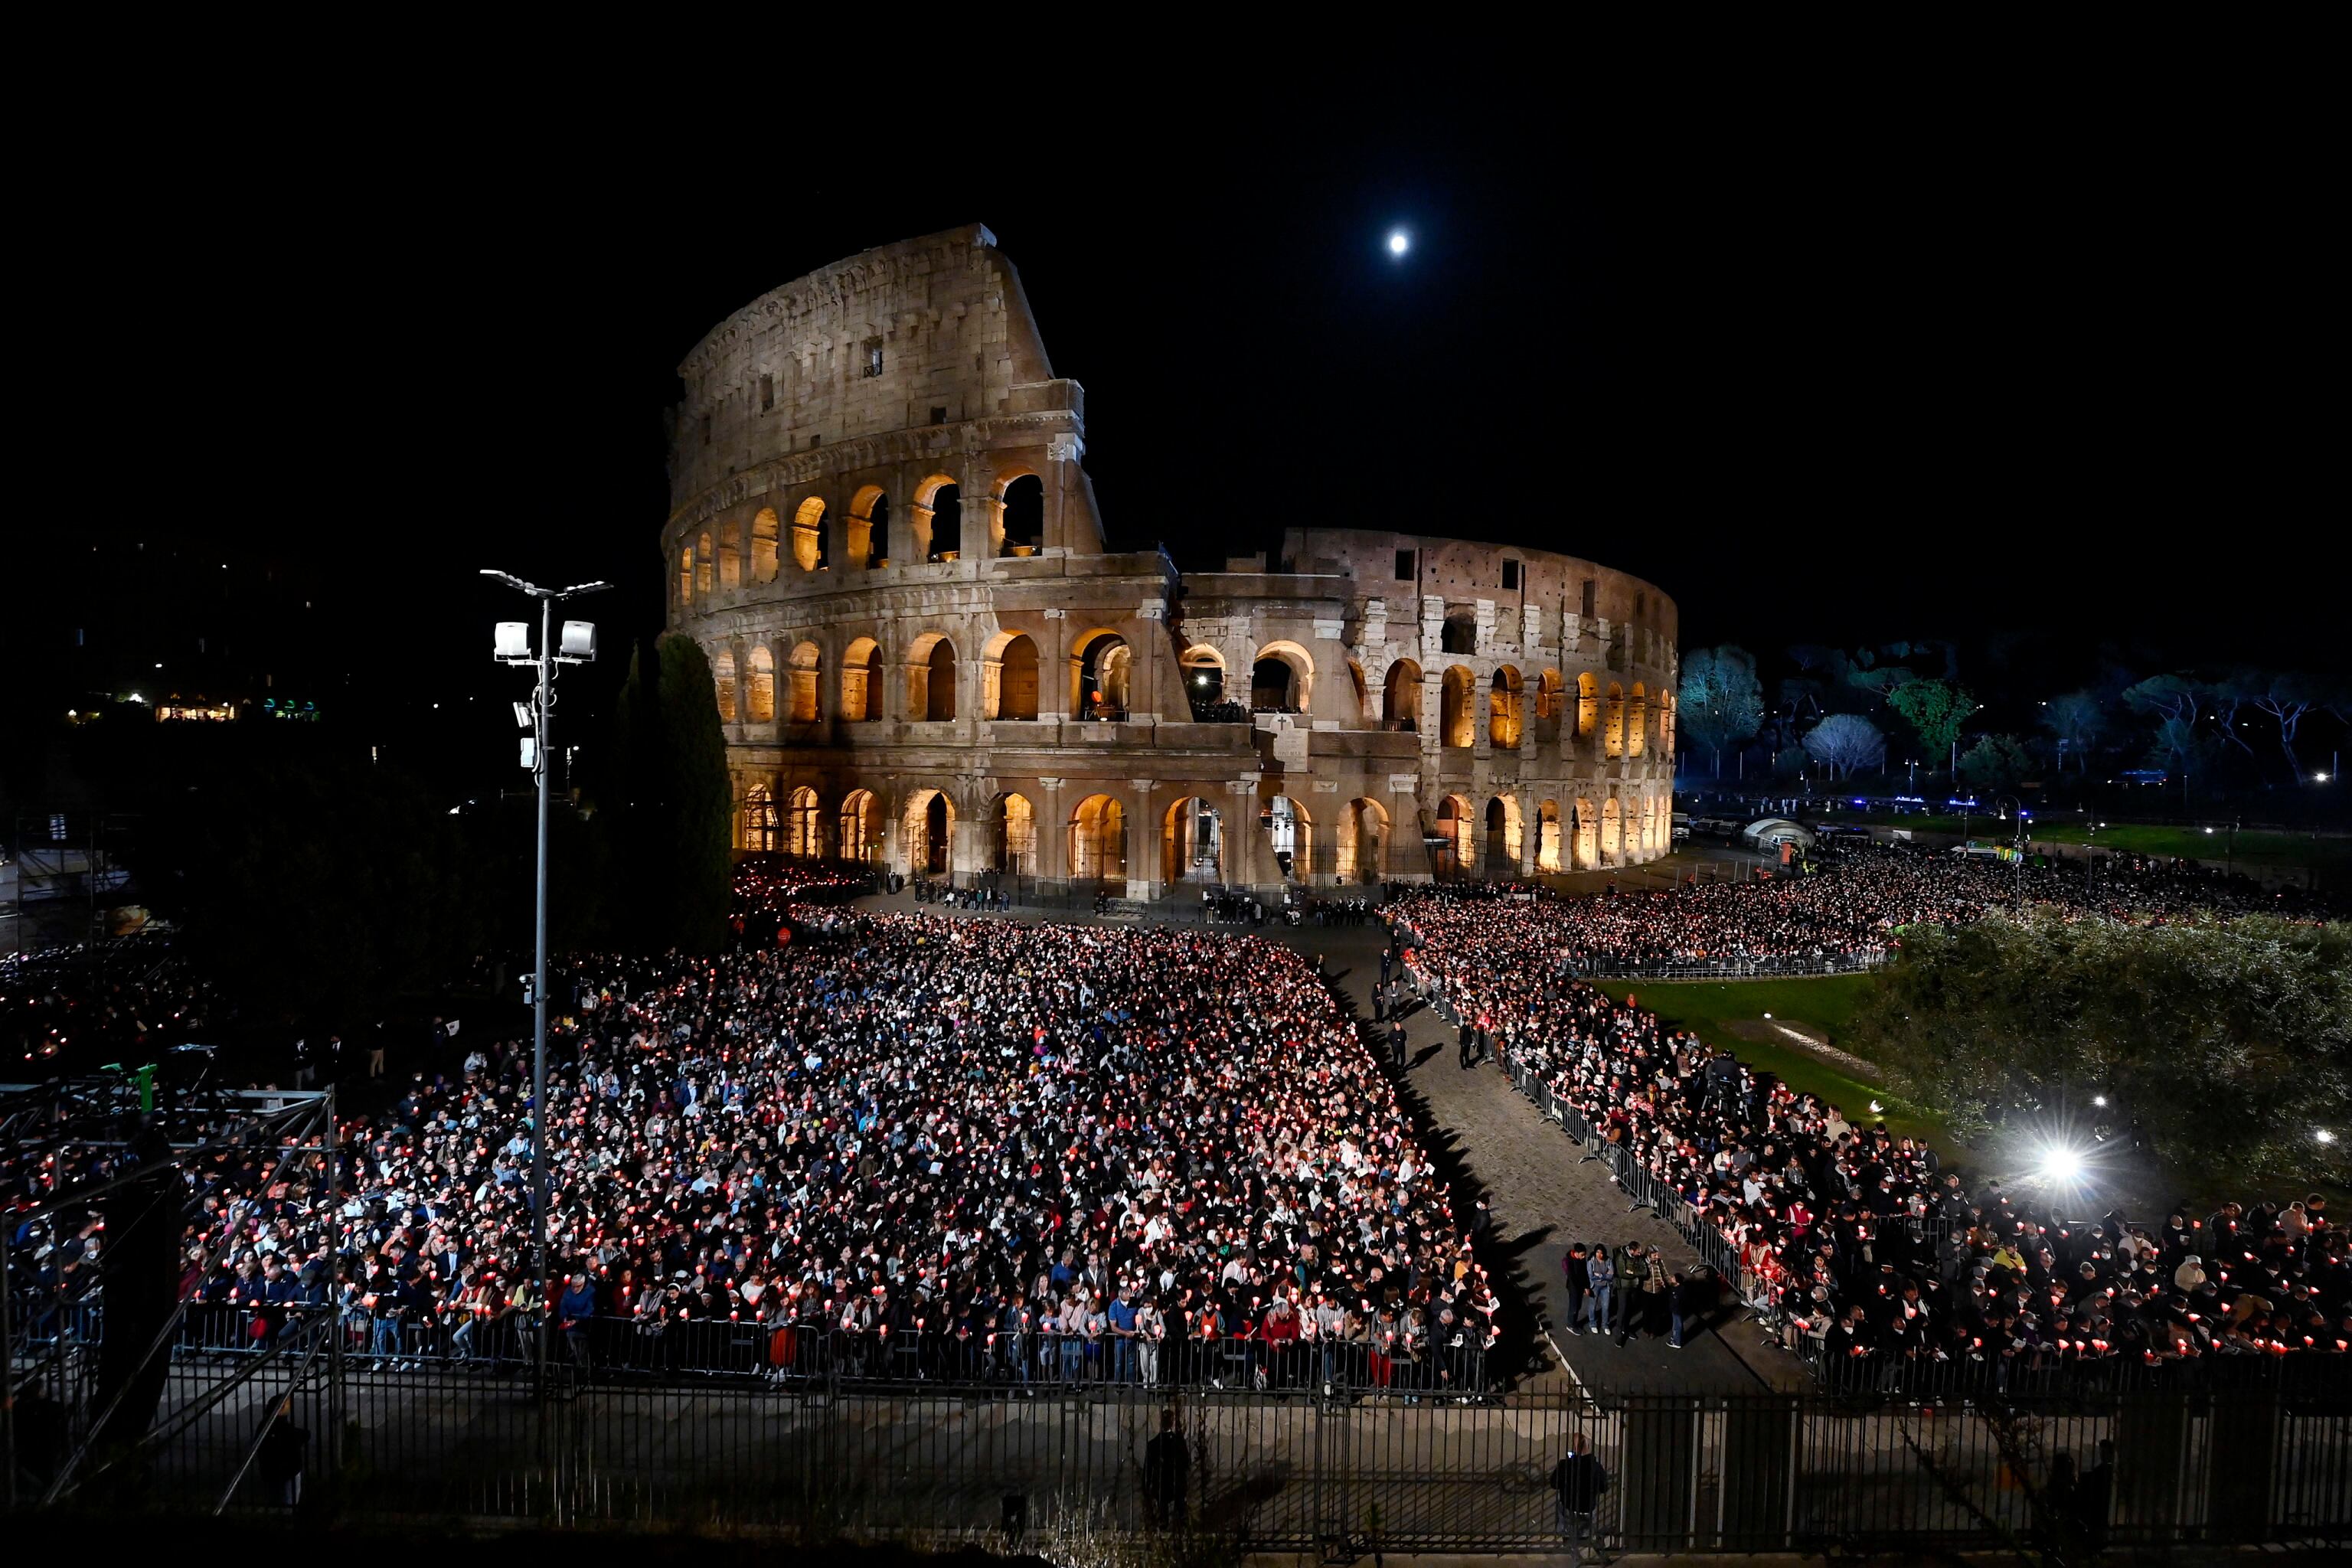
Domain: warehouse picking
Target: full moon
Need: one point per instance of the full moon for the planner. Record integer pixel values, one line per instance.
(1398, 243)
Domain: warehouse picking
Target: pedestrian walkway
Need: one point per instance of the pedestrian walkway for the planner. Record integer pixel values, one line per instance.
(1541, 1193)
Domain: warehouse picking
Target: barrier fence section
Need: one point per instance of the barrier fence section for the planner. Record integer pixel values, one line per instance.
(1387, 1472)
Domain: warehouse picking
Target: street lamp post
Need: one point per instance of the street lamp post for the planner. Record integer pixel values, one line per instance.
(512, 646)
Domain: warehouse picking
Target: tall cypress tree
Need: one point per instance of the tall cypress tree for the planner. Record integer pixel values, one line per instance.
(695, 800)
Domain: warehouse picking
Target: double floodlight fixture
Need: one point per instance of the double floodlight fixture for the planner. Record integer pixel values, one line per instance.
(510, 643)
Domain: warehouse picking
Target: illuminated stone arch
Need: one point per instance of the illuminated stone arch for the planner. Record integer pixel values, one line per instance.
(1290, 835)
(1457, 707)
(1101, 675)
(755, 831)
(1204, 675)
(1504, 715)
(861, 682)
(760, 705)
(859, 836)
(686, 575)
(1098, 840)
(1012, 834)
(1363, 839)
(1503, 835)
(1192, 842)
(1551, 699)
(766, 542)
(730, 561)
(927, 832)
(930, 679)
(1587, 835)
(1548, 844)
(1637, 720)
(1612, 833)
(803, 824)
(868, 536)
(936, 517)
(1456, 836)
(807, 668)
(1588, 705)
(1361, 691)
(1282, 678)
(722, 680)
(705, 569)
(1008, 676)
(1400, 697)
(809, 541)
(1613, 725)
(1017, 523)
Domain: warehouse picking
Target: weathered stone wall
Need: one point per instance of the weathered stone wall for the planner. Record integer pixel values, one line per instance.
(871, 664)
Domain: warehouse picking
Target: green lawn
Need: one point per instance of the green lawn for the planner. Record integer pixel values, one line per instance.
(1827, 1002)
(2254, 847)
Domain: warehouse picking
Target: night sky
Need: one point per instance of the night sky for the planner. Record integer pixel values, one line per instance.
(1964, 365)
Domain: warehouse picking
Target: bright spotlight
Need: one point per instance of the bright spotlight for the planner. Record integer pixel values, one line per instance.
(1399, 242)
(2100, 1100)
(1877, 1109)
(2061, 1165)
(2325, 1136)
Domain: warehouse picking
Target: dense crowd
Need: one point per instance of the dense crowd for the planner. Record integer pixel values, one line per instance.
(1874, 1259)
(894, 1145)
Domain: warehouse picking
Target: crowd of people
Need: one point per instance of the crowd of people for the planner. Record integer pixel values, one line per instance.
(891, 1145)
(1870, 1256)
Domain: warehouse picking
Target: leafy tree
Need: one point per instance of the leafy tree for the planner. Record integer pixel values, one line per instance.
(2077, 720)
(694, 799)
(1721, 702)
(1935, 709)
(2228, 1044)
(1994, 762)
(1846, 742)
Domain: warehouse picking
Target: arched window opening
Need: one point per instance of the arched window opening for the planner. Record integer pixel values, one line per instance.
(1289, 830)
(1282, 678)
(868, 537)
(1204, 682)
(1588, 705)
(1460, 634)
(1008, 671)
(1101, 667)
(807, 667)
(804, 831)
(928, 832)
(757, 833)
(947, 521)
(764, 542)
(1098, 840)
(1458, 708)
(722, 679)
(1363, 829)
(705, 563)
(808, 535)
(1192, 842)
(1504, 717)
(861, 826)
(1613, 839)
(762, 707)
(1454, 838)
(1400, 697)
(1012, 837)
(1025, 515)
(861, 687)
(1547, 845)
(1502, 837)
(1637, 720)
(686, 576)
(1613, 732)
(939, 683)
(1648, 839)
(1551, 699)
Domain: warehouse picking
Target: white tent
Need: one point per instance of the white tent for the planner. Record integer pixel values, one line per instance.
(1770, 833)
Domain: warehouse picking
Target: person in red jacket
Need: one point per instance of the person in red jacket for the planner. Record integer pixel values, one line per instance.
(1280, 1333)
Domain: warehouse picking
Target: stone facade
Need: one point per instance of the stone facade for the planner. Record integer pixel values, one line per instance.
(882, 533)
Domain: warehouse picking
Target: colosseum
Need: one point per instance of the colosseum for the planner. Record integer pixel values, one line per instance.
(883, 532)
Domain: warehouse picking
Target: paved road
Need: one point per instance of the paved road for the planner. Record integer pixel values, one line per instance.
(1540, 1193)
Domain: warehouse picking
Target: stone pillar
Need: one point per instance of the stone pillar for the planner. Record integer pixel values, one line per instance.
(983, 525)
(1052, 857)
(1247, 862)
(1142, 842)
(918, 533)
(1062, 454)
(1053, 667)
